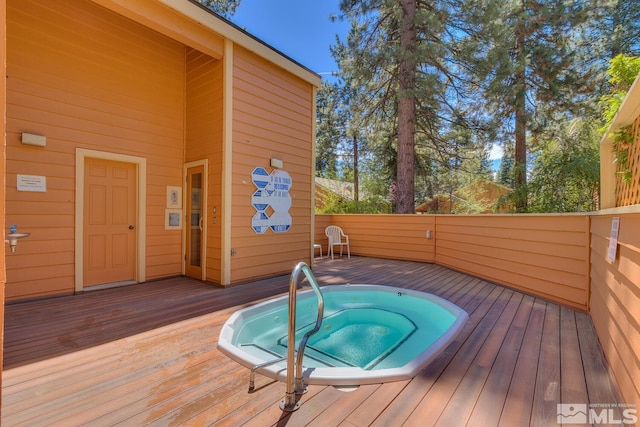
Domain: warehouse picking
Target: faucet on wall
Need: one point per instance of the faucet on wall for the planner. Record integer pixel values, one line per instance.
(13, 237)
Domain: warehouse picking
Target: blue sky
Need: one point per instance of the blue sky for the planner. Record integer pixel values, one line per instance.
(301, 29)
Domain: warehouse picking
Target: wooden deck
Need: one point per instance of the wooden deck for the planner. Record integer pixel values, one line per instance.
(146, 355)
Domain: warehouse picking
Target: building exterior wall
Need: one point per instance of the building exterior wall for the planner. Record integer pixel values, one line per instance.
(272, 118)
(3, 92)
(86, 78)
(204, 105)
(615, 297)
(125, 83)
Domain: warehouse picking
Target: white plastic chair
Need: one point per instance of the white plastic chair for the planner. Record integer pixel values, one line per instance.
(337, 238)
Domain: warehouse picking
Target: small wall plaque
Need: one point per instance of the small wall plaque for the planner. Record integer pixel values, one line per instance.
(613, 239)
(34, 183)
(173, 219)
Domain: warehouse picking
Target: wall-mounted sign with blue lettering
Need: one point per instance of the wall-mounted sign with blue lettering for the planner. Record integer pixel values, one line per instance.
(271, 201)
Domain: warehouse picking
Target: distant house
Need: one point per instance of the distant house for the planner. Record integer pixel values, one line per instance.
(140, 139)
(482, 196)
(327, 189)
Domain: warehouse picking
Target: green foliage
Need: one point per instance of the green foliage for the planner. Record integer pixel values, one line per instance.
(329, 131)
(505, 174)
(332, 203)
(224, 8)
(622, 141)
(623, 20)
(528, 68)
(422, 78)
(622, 71)
(566, 170)
(483, 68)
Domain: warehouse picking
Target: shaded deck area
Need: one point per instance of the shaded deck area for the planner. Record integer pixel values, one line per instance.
(146, 355)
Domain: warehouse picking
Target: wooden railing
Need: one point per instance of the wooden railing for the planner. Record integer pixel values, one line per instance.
(615, 296)
(544, 255)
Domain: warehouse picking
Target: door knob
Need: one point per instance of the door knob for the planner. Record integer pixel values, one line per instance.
(131, 227)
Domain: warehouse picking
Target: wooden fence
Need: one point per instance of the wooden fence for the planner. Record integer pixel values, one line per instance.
(544, 255)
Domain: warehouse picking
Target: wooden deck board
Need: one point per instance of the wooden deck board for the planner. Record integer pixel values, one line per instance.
(520, 395)
(439, 396)
(146, 355)
(466, 395)
(599, 385)
(488, 407)
(547, 394)
(574, 387)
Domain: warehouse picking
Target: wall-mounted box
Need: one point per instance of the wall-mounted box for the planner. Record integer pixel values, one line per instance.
(33, 139)
(277, 163)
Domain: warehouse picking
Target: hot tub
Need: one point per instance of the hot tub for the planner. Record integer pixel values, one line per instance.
(369, 334)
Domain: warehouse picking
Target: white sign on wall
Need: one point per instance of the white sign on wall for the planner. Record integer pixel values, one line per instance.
(271, 201)
(613, 239)
(35, 183)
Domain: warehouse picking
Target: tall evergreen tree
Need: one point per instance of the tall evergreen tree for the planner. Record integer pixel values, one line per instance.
(624, 27)
(528, 67)
(506, 173)
(402, 52)
(330, 130)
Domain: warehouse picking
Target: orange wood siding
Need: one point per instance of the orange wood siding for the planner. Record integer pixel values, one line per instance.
(86, 77)
(545, 255)
(615, 299)
(272, 117)
(384, 236)
(204, 141)
(321, 222)
(3, 104)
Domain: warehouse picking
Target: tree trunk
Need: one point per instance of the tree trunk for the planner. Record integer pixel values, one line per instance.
(406, 110)
(520, 156)
(356, 180)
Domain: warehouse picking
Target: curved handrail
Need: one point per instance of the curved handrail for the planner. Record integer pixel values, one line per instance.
(289, 403)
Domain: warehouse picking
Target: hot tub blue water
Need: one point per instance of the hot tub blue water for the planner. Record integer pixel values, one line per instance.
(369, 334)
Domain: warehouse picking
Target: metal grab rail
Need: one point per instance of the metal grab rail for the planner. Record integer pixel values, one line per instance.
(289, 403)
(252, 374)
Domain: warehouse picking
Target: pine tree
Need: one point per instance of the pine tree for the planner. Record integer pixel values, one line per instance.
(624, 20)
(402, 54)
(330, 130)
(505, 173)
(528, 68)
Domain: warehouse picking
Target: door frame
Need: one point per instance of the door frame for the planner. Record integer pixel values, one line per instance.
(141, 210)
(205, 192)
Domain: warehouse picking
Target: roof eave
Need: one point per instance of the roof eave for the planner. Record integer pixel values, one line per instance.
(227, 29)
